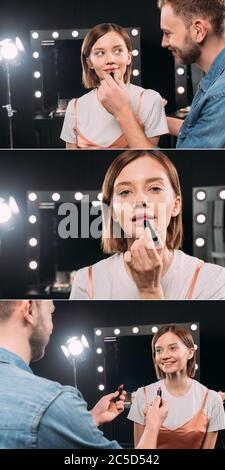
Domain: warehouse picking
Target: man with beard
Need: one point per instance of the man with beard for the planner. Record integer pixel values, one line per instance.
(193, 31)
(41, 414)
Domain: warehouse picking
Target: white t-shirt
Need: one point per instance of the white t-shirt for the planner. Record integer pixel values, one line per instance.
(100, 127)
(181, 408)
(112, 282)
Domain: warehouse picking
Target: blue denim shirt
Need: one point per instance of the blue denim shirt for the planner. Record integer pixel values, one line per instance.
(204, 127)
(39, 413)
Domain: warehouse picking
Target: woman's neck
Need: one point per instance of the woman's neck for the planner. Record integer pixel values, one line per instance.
(178, 384)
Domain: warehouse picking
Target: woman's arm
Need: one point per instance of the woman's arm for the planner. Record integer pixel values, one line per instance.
(71, 146)
(138, 431)
(153, 141)
(210, 440)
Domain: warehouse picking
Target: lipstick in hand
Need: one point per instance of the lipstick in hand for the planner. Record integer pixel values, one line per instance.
(153, 234)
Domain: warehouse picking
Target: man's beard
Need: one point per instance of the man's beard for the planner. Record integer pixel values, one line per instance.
(190, 54)
(38, 343)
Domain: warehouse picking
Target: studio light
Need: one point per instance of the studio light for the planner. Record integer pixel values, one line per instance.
(78, 196)
(201, 195)
(194, 327)
(10, 51)
(98, 332)
(154, 329)
(32, 219)
(8, 208)
(200, 242)
(75, 350)
(201, 218)
(135, 330)
(222, 194)
(101, 387)
(135, 72)
(117, 331)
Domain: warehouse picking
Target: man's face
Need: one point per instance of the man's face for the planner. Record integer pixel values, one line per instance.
(43, 328)
(178, 37)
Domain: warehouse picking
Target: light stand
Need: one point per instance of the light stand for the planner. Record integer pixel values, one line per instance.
(75, 350)
(9, 52)
(8, 106)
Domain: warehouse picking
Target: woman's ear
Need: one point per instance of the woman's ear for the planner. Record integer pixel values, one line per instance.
(177, 207)
(191, 353)
(129, 58)
(88, 60)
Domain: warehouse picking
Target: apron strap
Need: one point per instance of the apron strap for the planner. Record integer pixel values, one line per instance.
(193, 281)
(90, 283)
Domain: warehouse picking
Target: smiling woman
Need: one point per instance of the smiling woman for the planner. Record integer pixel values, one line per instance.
(143, 186)
(91, 121)
(195, 413)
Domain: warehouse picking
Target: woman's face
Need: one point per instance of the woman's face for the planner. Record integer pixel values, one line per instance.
(143, 191)
(171, 354)
(109, 54)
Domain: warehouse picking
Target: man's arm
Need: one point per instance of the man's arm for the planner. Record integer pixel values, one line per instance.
(67, 424)
(174, 125)
(208, 130)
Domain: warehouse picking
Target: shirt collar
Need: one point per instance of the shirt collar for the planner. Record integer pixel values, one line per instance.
(11, 358)
(217, 67)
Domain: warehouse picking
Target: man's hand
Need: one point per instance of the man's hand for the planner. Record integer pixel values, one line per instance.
(145, 264)
(113, 95)
(106, 410)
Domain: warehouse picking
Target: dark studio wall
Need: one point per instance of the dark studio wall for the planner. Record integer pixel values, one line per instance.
(75, 317)
(24, 170)
(20, 19)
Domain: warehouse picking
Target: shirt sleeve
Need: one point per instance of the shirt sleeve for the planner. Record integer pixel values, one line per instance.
(79, 289)
(136, 413)
(152, 114)
(215, 413)
(211, 283)
(67, 424)
(68, 133)
(208, 130)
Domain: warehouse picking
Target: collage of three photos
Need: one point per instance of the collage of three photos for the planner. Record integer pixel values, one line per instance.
(112, 227)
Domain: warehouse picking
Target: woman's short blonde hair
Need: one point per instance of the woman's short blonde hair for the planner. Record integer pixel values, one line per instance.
(113, 244)
(89, 77)
(185, 336)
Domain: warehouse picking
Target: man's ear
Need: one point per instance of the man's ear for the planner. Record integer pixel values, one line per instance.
(28, 311)
(177, 207)
(200, 28)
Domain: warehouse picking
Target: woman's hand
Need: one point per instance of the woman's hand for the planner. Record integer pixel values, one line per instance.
(113, 95)
(145, 264)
